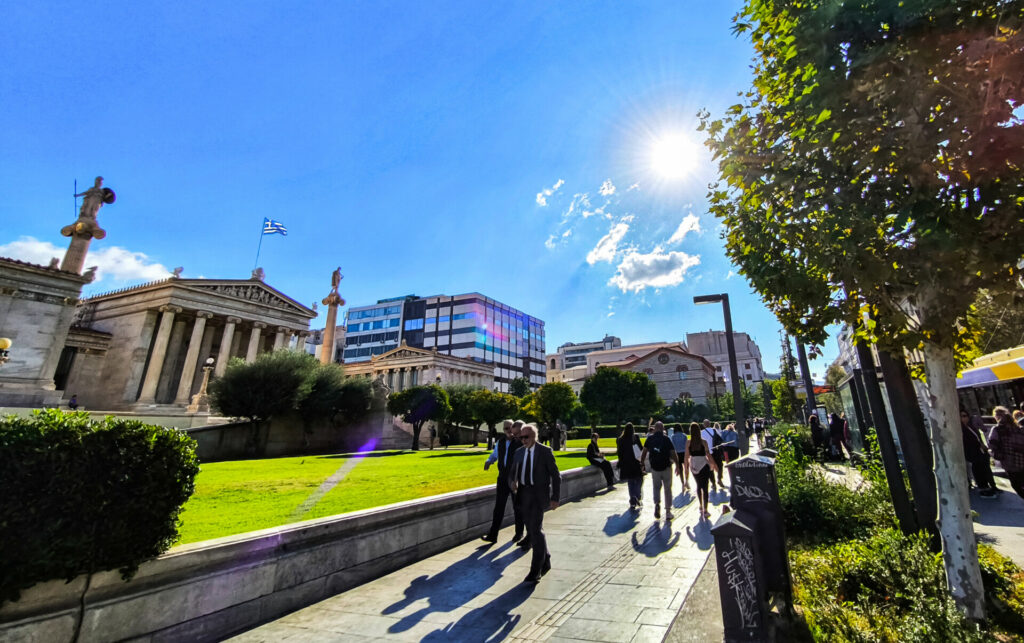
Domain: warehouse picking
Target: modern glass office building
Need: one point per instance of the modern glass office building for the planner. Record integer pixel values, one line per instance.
(469, 325)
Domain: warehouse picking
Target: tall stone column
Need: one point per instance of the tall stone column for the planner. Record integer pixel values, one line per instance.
(188, 370)
(300, 342)
(156, 358)
(224, 354)
(332, 301)
(279, 337)
(85, 228)
(254, 341)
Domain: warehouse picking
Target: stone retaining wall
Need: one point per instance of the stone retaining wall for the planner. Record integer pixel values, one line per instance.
(206, 591)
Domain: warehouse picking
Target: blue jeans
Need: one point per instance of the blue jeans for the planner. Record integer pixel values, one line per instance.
(634, 485)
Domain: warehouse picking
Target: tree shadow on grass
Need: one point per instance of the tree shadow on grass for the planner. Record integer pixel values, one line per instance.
(491, 622)
(454, 586)
(456, 454)
(370, 454)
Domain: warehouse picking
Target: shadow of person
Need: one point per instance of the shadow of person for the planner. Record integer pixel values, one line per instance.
(701, 534)
(683, 499)
(453, 587)
(657, 540)
(620, 523)
(491, 622)
(718, 496)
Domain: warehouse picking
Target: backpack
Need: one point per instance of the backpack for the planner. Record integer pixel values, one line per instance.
(659, 452)
(716, 439)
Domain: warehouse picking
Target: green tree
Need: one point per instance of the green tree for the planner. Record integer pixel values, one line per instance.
(833, 376)
(619, 395)
(555, 401)
(873, 172)
(999, 319)
(460, 399)
(272, 384)
(785, 405)
(520, 387)
(491, 407)
(333, 397)
(752, 402)
(418, 405)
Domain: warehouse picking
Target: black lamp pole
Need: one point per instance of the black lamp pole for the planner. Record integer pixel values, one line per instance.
(734, 375)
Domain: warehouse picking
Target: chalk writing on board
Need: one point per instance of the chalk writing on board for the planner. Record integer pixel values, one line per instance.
(739, 576)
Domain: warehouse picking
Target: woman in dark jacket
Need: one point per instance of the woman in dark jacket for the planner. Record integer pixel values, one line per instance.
(596, 458)
(629, 465)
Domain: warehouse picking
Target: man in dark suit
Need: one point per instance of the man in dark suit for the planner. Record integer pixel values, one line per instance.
(505, 448)
(535, 477)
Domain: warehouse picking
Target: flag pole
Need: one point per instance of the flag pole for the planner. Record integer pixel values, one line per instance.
(259, 246)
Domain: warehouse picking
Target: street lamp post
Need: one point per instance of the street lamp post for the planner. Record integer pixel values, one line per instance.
(734, 375)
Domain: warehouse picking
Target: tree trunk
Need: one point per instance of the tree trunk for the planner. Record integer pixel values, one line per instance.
(959, 547)
(886, 445)
(416, 428)
(913, 434)
(476, 435)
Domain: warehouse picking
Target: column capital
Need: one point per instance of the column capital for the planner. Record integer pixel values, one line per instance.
(234, 320)
(203, 314)
(169, 309)
(283, 329)
(259, 325)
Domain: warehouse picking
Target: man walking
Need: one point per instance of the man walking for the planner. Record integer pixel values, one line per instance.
(663, 453)
(503, 453)
(1007, 443)
(679, 443)
(535, 477)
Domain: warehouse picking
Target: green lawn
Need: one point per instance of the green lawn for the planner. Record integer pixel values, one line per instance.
(236, 497)
(605, 444)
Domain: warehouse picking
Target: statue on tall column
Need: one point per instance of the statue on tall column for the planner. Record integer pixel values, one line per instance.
(336, 278)
(332, 301)
(85, 228)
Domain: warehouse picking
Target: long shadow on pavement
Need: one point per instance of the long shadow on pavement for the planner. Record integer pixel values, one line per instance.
(456, 585)
(491, 622)
(701, 534)
(620, 523)
(683, 499)
(657, 540)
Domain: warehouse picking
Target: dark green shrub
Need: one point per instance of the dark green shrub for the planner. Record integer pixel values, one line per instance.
(818, 510)
(1004, 590)
(83, 496)
(889, 587)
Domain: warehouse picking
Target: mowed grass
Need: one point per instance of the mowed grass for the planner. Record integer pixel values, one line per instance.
(605, 444)
(247, 495)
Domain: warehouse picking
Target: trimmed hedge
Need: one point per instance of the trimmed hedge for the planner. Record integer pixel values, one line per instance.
(82, 496)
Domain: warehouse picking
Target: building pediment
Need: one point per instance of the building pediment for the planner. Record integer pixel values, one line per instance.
(247, 290)
(402, 352)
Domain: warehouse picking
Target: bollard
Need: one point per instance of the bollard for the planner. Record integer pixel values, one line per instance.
(753, 488)
(741, 577)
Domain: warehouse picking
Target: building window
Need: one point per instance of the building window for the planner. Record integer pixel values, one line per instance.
(682, 368)
(747, 366)
(663, 358)
(649, 371)
(414, 324)
(749, 377)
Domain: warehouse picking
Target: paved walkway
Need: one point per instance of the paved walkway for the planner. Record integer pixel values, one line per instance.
(1000, 521)
(616, 576)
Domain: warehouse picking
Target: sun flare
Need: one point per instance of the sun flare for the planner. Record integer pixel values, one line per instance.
(673, 156)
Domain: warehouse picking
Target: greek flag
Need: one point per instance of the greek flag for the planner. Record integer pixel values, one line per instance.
(274, 227)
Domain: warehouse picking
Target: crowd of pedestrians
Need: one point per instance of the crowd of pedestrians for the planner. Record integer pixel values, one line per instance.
(1004, 443)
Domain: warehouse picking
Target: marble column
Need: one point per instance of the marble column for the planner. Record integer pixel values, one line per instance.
(224, 354)
(165, 388)
(156, 358)
(188, 370)
(254, 341)
(279, 338)
(300, 343)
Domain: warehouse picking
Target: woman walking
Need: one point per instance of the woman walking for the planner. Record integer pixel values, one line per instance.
(698, 453)
(629, 465)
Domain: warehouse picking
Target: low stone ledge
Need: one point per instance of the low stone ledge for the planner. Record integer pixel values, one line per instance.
(208, 590)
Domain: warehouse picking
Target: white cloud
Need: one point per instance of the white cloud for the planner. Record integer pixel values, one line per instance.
(590, 213)
(542, 196)
(113, 262)
(608, 246)
(690, 223)
(635, 186)
(655, 270)
(730, 275)
(550, 243)
(567, 233)
(607, 188)
(611, 314)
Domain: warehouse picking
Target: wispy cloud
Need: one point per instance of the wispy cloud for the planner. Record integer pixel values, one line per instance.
(690, 223)
(113, 262)
(635, 186)
(656, 269)
(542, 196)
(730, 275)
(607, 188)
(608, 246)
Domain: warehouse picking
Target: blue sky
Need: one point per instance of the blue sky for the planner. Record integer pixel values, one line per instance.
(423, 147)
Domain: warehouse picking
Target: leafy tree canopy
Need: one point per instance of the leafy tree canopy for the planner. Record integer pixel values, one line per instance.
(419, 404)
(555, 401)
(618, 395)
(272, 384)
(519, 387)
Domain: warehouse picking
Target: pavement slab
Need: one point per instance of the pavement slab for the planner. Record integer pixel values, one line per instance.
(617, 575)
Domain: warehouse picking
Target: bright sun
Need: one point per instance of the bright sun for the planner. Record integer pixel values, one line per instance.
(673, 156)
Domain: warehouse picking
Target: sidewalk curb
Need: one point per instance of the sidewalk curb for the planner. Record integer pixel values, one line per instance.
(700, 617)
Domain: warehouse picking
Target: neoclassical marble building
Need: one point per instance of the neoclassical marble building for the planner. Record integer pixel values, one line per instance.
(160, 334)
(406, 366)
